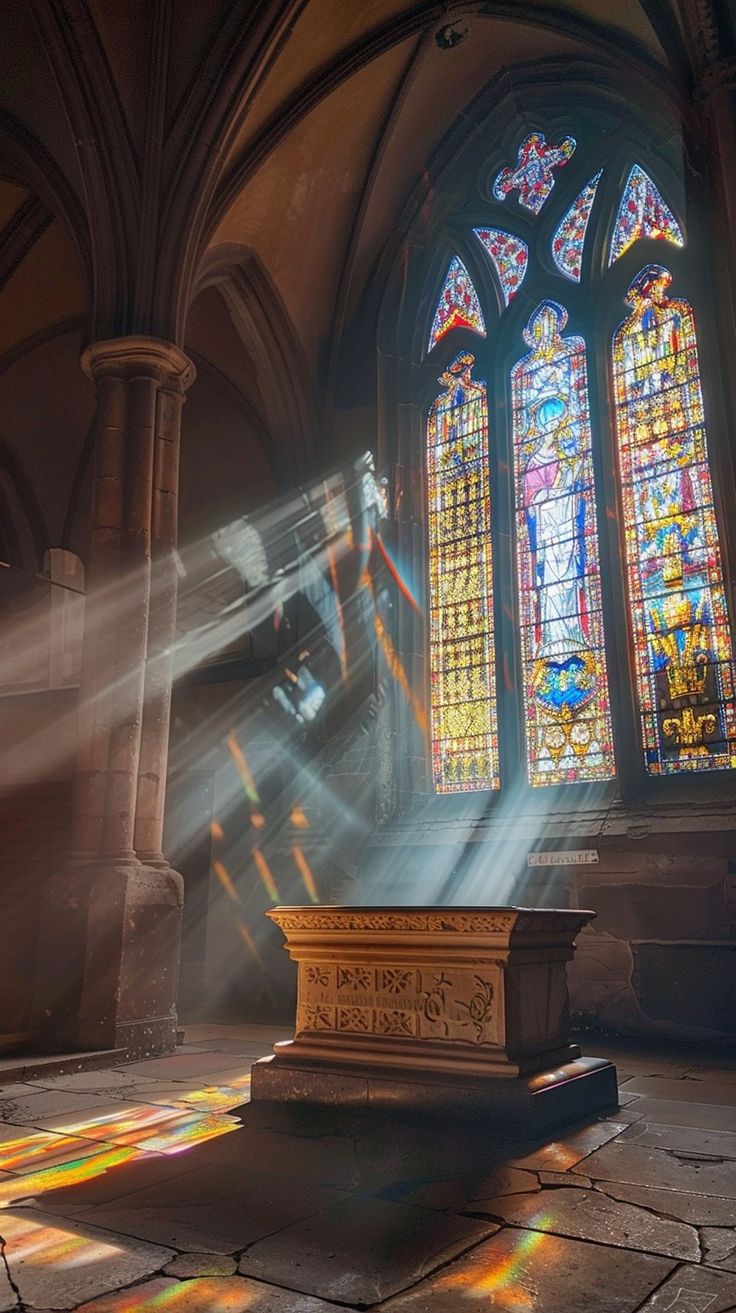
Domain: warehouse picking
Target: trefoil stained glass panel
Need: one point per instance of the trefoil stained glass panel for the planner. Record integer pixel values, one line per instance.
(569, 238)
(458, 305)
(461, 636)
(642, 213)
(566, 704)
(533, 175)
(509, 257)
(682, 640)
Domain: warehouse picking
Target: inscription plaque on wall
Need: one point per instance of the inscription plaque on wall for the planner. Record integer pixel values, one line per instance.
(569, 857)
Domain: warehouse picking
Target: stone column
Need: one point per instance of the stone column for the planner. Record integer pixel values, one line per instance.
(149, 819)
(110, 927)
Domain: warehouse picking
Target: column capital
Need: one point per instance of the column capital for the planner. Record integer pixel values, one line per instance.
(139, 357)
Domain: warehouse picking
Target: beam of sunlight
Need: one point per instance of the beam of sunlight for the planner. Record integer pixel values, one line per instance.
(250, 943)
(333, 528)
(264, 871)
(305, 871)
(241, 765)
(396, 575)
(225, 879)
(393, 660)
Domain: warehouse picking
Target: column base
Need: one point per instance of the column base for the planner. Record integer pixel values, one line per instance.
(108, 958)
(526, 1106)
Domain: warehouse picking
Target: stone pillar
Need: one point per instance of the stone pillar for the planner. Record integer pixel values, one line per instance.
(149, 821)
(110, 927)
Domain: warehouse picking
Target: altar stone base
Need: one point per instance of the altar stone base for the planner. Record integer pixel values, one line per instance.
(460, 1013)
(527, 1106)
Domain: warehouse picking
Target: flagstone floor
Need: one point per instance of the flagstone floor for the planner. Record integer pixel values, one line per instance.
(136, 1188)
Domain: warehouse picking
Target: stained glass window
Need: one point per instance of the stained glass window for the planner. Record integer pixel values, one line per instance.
(642, 213)
(509, 257)
(682, 641)
(569, 238)
(566, 706)
(532, 176)
(458, 306)
(462, 668)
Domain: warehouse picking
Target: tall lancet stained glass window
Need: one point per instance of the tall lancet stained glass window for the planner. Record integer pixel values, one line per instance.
(458, 305)
(566, 705)
(642, 213)
(462, 660)
(682, 641)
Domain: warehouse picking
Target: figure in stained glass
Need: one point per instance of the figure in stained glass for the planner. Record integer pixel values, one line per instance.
(682, 638)
(642, 213)
(458, 305)
(461, 641)
(509, 257)
(533, 174)
(569, 238)
(567, 712)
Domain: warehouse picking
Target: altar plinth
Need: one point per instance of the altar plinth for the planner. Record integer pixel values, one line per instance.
(452, 1010)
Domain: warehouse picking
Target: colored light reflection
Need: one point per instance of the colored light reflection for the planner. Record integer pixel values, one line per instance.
(398, 579)
(41, 1149)
(501, 1276)
(306, 873)
(75, 1172)
(243, 769)
(215, 1294)
(187, 1133)
(153, 1127)
(218, 1098)
(250, 942)
(226, 881)
(43, 1246)
(264, 871)
(138, 1133)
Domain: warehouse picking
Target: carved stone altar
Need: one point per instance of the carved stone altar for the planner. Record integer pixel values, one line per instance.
(452, 1008)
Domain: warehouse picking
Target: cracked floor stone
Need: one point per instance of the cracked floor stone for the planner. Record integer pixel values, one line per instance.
(201, 1265)
(719, 1246)
(639, 1165)
(693, 1290)
(697, 1209)
(588, 1215)
(527, 1270)
(688, 1139)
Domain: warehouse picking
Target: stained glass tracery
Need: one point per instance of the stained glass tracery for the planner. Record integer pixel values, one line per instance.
(566, 705)
(509, 257)
(569, 238)
(642, 213)
(461, 636)
(458, 305)
(682, 641)
(533, 174)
